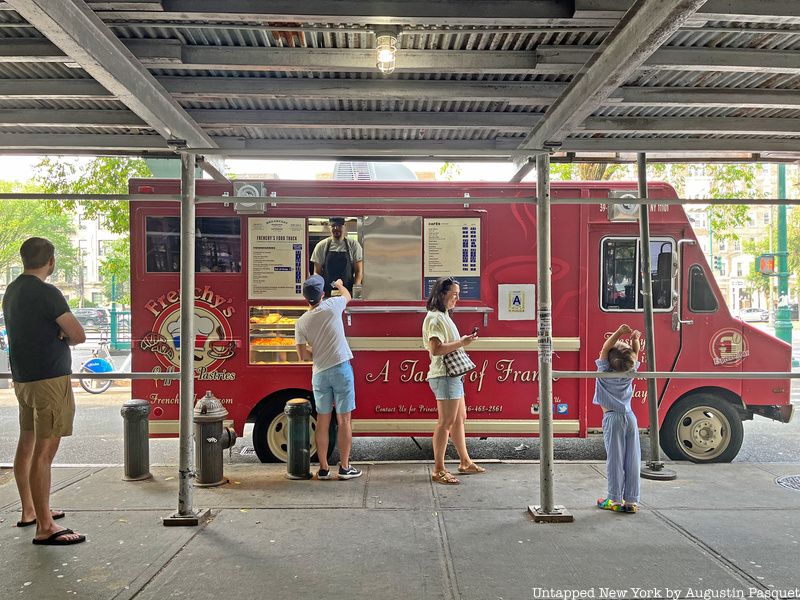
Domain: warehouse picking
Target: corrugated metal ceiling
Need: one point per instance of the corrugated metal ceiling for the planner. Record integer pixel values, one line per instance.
(306, 78)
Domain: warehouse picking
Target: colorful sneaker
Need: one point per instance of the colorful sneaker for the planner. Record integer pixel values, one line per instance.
(349, 473)
(608, 504)
(630, 507)
(324, 474)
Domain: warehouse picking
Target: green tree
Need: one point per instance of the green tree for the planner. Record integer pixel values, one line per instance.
(589, 172)
(22, 219)
(793, 246)
(101, 175)
(757, 281)
(117, 264)
(725, 181)
(450, 170)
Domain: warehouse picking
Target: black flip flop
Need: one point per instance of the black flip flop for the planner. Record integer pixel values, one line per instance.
(56, 516)
(55, 539)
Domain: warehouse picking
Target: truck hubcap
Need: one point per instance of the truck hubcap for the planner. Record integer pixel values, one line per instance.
(703, 432)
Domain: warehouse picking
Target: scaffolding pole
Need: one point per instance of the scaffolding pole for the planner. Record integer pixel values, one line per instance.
(654, 469)
(186, 514)
(546, 511)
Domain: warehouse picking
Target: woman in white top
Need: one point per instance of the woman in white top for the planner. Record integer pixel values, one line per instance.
(440, 335)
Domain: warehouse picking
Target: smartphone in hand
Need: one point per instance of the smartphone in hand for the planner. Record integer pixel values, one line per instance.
(474, 331)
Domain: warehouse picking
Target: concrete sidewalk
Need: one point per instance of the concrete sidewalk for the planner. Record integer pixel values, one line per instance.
(718, 531)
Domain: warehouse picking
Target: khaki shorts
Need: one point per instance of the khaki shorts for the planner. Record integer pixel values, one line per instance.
(46, 407)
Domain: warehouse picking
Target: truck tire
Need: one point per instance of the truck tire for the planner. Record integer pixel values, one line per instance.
(702, 428)
(270, 431)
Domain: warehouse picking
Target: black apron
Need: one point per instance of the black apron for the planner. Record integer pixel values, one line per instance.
(337, 265)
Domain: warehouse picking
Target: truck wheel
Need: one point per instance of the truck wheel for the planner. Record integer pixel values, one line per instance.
(702, 428)
(271, 430)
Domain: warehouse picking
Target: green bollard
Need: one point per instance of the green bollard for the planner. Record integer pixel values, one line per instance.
(298, 461)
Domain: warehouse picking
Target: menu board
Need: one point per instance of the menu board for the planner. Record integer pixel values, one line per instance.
(276, 258)
(453, 249)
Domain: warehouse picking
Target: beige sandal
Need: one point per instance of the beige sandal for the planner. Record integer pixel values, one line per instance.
(445, 478)
(471, 469)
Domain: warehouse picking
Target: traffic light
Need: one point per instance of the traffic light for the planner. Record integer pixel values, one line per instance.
(718, 262)
(766, 264)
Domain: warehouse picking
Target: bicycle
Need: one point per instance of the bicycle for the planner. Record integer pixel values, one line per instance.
(98, 364)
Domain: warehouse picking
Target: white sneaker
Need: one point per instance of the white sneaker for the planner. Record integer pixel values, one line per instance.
(349, 473)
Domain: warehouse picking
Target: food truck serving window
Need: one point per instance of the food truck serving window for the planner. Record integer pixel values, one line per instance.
(218, 244)
(621, 286)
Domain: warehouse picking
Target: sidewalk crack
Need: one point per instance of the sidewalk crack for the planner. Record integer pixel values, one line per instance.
(722, 560)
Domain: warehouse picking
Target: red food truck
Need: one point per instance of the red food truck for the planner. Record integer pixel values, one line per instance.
(251, 260)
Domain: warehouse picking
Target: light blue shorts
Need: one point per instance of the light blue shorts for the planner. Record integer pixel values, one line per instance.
(334, 385)
(447, 388)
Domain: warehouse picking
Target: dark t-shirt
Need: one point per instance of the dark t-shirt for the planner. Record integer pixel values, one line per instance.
(31, 307)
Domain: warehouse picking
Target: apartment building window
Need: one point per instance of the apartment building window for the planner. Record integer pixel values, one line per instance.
(104, 247)
(737, 246)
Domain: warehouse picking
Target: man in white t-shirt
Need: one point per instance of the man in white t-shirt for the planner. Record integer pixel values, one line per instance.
(339, 257)
(332, 380)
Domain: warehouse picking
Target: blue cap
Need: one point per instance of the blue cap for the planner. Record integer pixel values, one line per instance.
(313, 288)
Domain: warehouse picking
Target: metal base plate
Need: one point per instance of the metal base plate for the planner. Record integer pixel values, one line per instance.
(138, 478)
(222, 481)
(559, 515)
(299, 477)
(191, 520)
(658, 474)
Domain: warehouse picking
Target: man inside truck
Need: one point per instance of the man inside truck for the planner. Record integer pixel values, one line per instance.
(337, 257)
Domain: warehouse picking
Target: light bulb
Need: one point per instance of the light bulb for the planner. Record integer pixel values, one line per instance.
(386, 52)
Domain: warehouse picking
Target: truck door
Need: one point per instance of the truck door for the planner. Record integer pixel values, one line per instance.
(615, 297)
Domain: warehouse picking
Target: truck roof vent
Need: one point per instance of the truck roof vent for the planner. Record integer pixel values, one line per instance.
(354, 171)
(247, 189)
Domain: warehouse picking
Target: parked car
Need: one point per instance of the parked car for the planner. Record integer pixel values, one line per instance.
(92, 318)
(753, 315)
(123, 319)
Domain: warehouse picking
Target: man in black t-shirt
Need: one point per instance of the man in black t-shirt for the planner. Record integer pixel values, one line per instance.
(40, 330)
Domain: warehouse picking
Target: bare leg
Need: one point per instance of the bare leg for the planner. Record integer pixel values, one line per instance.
(458, 435)
(22, 473)
(321, 436)
(44, 451)
(448, 410)
(344, 438)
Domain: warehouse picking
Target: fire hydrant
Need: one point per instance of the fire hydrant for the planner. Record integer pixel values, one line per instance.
(210, 439)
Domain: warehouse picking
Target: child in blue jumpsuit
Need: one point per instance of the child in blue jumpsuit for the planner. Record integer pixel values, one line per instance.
(620, 429)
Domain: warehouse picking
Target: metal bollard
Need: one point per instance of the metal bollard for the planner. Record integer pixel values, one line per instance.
(298, 462)
(5, 364)
(136, 439)
(210, 439)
